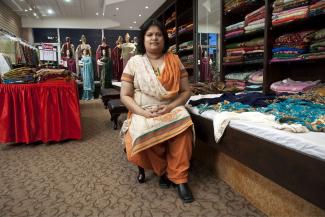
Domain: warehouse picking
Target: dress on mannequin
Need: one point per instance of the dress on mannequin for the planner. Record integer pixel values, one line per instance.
(79, 50)
(128, 49)
(87, 76)
(100, 48)
(117, 61)
(69, 62)
(205, 71)
(106, 70)
(67, 46)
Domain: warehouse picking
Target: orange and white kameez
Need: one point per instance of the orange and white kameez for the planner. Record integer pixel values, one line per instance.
(163, 143)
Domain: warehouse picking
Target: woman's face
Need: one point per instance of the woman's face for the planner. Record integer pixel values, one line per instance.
(84, 52)
(154, 40)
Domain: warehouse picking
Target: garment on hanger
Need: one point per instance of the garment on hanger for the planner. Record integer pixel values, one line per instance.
(106, 72)
(205, 71)
(117, 63)
(99, 55)
(128, 50)
(79, 53)
(88, 78)
(70, 64)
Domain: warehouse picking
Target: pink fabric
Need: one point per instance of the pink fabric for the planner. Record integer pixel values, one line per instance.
(290, 86)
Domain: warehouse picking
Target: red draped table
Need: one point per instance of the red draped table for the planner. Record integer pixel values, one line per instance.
(44, 112)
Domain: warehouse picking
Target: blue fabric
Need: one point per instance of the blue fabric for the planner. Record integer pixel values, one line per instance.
(253, 99)
(87, 74)
(300, 51)
(291, 111)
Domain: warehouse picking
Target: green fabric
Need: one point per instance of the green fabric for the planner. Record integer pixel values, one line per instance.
(106, 73)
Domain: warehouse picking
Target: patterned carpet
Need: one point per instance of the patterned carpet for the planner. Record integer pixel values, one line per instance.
(93, 178)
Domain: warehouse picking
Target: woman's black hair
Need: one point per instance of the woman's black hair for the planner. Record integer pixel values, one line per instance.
(152, 22)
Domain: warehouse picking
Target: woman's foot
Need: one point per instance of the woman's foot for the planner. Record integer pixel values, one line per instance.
(164, 182)
(185, 193)
(141, 175)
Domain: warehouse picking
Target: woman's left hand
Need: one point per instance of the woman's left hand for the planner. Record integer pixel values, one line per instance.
(163, 109)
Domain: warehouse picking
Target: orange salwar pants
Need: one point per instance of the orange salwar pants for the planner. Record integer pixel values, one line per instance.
(171, 157)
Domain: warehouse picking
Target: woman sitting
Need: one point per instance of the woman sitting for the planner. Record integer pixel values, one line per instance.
(159, 129)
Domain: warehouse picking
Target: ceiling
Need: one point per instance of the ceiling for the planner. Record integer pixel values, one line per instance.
(79, 13)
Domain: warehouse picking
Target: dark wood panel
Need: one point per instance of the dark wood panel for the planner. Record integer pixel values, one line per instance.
(293, 170)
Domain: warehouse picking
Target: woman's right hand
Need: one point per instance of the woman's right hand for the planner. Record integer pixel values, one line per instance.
(148, 114)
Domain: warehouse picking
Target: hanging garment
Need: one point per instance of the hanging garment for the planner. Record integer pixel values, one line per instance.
(117, 63)
(106, 72)
(70, 64)
(88, 78)
(78, 53)
(128, 50)
(99, 55)
(205, 72)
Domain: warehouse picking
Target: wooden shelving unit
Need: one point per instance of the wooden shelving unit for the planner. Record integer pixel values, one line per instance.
(306, 69)
(185, 14)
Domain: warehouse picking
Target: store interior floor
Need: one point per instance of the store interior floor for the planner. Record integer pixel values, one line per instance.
(92, 177)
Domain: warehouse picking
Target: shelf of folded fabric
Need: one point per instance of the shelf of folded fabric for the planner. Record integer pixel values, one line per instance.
(245, 36)
(185, 52)
(251, 62)
(170, 24)
(185, 36)
(244, 9)
(185, 17)
(309, 21)
(172, 40)
(320, 59)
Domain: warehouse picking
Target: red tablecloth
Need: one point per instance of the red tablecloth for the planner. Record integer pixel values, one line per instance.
(45, 112)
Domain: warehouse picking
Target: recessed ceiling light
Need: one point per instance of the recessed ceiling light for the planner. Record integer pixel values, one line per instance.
(30, 9)
(117, 9)
(97, 14)
(26, 10)
(34, 14)
(50, 11)
(146, 7)
(140, 15)
(67, 0)
(131, 27)
(103, 14)
(134, 22)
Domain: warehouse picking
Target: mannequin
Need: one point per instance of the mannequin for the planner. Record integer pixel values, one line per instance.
(69, 62)
(127, 50)
(87, 75)
(116, 58)
(106, 70)
(67, 46)
(135, 42)
(101, 47)
(79, 50)
(205, 72)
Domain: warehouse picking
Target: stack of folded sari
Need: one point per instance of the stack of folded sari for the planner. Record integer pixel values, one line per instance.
(255, 21)
(317, 45)
(317, 7)
(255, 81)
(285, 11)
(291, 46)
(290, 86)
(249, 51)
(43, 75)
(231, 5)
(18, 76)
(235, 30)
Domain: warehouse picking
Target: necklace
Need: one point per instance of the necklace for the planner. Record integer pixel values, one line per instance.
(156, 71)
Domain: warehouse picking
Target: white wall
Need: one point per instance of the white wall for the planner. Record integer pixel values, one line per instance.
(69, 23)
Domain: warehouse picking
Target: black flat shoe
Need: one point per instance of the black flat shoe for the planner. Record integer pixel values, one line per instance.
(141, 175)
(185, 193)
(164, 182)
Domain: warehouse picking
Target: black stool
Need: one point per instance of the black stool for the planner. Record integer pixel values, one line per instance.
(116, 107)
(109, 94)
